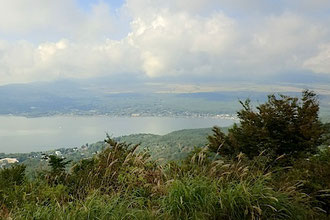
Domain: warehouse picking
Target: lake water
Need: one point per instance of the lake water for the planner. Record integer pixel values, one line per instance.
(20, 134)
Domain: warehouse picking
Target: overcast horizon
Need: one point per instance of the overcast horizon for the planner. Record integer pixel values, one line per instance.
(167, 41)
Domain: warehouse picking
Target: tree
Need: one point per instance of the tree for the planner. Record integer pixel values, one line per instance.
(57, 164)
(283, 125)
(218, 142)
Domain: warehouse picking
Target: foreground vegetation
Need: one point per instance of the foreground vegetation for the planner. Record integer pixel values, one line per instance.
(264, 168)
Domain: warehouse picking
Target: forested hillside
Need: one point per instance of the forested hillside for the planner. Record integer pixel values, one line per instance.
(173, 146)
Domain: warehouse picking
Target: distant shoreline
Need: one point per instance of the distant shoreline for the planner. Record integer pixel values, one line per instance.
(227, 116)
(142, 115)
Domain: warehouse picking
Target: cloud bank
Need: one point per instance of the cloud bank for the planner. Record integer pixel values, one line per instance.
(50, 40)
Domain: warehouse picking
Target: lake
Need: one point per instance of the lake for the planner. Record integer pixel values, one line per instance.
(20, 134)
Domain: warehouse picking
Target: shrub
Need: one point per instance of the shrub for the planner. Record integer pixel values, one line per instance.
(10, 181)
(282, 125)
(12, 176)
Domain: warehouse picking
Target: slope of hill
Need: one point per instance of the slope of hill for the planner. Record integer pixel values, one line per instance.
(173, 146)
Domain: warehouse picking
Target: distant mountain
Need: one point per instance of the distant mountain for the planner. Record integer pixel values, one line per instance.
(80, 98)
(103, 96)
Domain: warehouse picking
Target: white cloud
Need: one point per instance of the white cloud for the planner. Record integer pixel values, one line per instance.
(178, 43)
(26, 62)
(165, 39)
(281, 43)
(48, 19)
(24, 16)
(321, 62)
(48, 50)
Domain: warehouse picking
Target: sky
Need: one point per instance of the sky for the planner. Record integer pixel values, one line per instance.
(157, 40)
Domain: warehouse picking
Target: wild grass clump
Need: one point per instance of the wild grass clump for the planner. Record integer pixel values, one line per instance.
(191, 198)
(119, 168)
(244, 190)
(95, 206)
(313, 176)
(256, 200)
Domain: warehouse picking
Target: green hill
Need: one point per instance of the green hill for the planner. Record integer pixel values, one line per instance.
(173, 146)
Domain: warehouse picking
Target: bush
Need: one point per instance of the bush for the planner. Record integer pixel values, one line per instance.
(282, 125)
(12, 176)
(10, 181)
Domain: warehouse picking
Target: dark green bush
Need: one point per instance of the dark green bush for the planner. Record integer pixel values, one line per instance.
(11, 180)
(283, 125)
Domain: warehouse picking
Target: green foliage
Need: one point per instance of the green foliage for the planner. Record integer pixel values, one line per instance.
(191, 198)
(57, 164)
(173, 146)
(12, 176)
(10, 181)
(118, 167)
(282, 125)
(57, 172)
(256, 200)
(218, 142)
(326, 135)
(95, 206)
(314, 175)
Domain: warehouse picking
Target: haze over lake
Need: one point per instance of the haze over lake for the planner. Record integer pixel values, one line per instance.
(20, 134)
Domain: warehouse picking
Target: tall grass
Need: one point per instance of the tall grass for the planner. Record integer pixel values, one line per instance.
(95, 206)
(191, 198)
(120, 183)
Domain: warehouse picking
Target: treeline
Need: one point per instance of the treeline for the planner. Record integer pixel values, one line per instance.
(275, 164)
